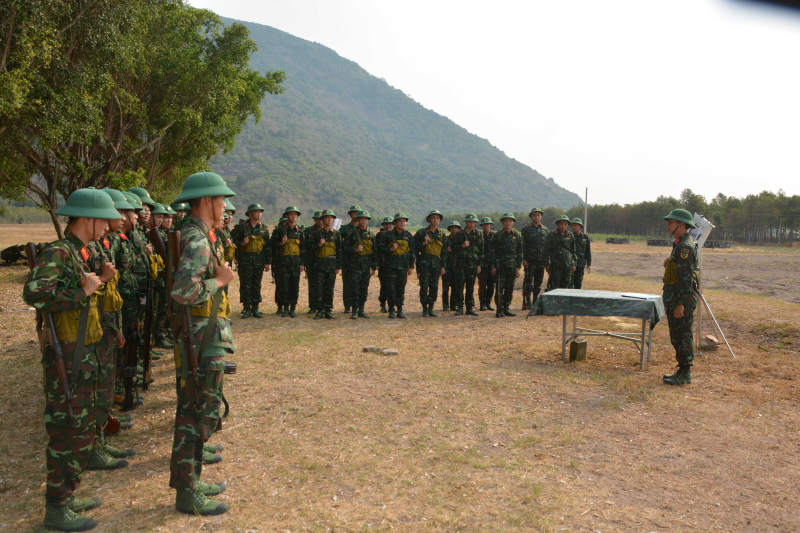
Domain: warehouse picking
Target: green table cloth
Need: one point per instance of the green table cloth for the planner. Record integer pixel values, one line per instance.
(579, 302)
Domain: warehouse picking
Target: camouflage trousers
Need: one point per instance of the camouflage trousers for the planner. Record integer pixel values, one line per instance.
(160, 328)
(396, 279)
(448, 282)
(251, 273)
(506, 277)
(532, 283)
(464, 289)
(489, 282)
(196, 420)
(428, 284)
(287, 284)
(382, 293)
(130, 322)
(359, 285)
(346, 292)
(680, 330)
(69, 446)
(312, 288)
(577, 278)
(560, 276)
(106, 375)
(324, 280)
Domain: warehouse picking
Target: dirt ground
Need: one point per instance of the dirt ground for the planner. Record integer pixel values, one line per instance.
(477, 425)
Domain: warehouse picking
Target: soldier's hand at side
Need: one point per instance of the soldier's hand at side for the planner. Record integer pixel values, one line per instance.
(517, 275)
(573, 268)
(466, 243)
(223, 275)
(394, 247)
(442, 273)
(427, 240)
(108, 272)
(589, 270)
(525, 264)
(120, 339)
(266, 268)
(321, 243)
(245, 241)
(302, 268)
(372, 273)
(479, 269)
(90, 283)
(678, 313)
(228, 243)
(149, 249)
(410, 271)
(283, 241)
(360, 248)
(494, 271)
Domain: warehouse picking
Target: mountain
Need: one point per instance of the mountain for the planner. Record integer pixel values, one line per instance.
(340, 136)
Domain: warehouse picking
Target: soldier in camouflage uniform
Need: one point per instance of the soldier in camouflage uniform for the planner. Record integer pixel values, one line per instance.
(559, 254)
(468, 251)
(161, 338)
(386, 225)
(63, 285)
(227, 239)
(508, 260)
(198, 283)
(449, 300)
(583, 254)
(312, 287)
(288, 244)
(251, 238)
(680, 294)
(344, 231)
(431, 246)
(363, 262)
(180, 209)
(326, 256)
(533, 239)
(488, 275)
(397, 247)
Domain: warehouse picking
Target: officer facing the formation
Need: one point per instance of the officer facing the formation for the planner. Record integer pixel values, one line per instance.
(488, 276)
(680, 293)
(449, 300)
(431, 257)
(326, 255)
(468, 249)
(251, 237)
(386, 225)
(508, 260)
(362, 264)
(62, 284)
(312, 286)
(344, 232)
(559, 254)
(397, 247)
(289, 247)
(583, 254)
(198, 283)
(533, 243)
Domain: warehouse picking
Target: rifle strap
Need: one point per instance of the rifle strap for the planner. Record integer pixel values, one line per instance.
(212, 322)
(79, 343)
(184, 361)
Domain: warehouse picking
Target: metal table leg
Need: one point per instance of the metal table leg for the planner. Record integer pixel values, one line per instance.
(642, 346)
(649, 342)
(564, 340)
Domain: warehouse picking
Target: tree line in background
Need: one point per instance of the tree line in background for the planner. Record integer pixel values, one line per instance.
(97, 93)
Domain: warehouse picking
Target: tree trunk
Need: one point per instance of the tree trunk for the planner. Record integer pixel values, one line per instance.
(56, 223)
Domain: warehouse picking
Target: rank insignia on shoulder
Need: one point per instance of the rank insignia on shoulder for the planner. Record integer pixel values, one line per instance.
(105, 243)
(685, 253)
(85, 253)
(212, 236)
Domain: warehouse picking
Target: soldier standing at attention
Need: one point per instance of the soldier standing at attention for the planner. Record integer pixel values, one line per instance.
(160, 336)
(250, 238)
(508, 260)
(468, 247)
(533, 238)
(326, 252)
(227, 239)
(289, 246)
(431, 257)
(362, 264)
(680, 294)
(583, 254)
(344, 232)
(312, 288)
(386, 225)
(559, 254)
(180, 211)
(489, 275)
(63, 285)
(449, 299)
(397, 247)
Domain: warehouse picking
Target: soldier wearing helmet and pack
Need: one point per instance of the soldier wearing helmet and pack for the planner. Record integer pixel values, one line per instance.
(449, 277)
(508, 260)
(312, 287)
(326, 256)
(344, 233)
(559, 254)
(467, 247)
(397, 248)
(431, 247)
(534, 235)
(583, 254)
(288, 244)
(489, 280)
(251, 237)
(386, 225)
(363, 262)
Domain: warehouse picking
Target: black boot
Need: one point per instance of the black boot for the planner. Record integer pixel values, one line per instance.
(292, 312)
(391, 311)
(459, 311)
(424, 310)
(507, 311)
(354, 316)
(383, 308)
(319, 315)
(400, 313)
(361, 312)
(284, 311)
(430, 312)
(499, 313)
(256, 312)
(329, 315)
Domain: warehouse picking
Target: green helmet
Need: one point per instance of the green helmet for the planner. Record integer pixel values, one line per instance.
(486, 220)
(159, 210)
(363, 214)
(120, 203)
(681, 215)
(508, 215)
(144, 196)
(327, 213)
(454, 223)
(89, 203)
(134, 200)
(355, 208)
(559, 218)
(398, 216)
(253, 207)
(179, 206)
(536, 210)
(291, 209)
(282, 220)
(434, 212)
(204, 185)
(229, 206)
(317, 214)
(387, 220)
(470, 217)
(226, 216)
(576, 220)
(171, 212)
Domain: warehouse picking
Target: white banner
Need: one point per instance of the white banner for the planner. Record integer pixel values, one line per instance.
(702, 229)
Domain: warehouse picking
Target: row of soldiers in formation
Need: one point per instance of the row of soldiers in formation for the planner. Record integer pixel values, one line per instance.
(461, 257)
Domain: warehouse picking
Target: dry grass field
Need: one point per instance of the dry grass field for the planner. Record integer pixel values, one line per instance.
(476, 426)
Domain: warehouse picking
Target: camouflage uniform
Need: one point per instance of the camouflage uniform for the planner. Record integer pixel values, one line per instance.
(431, 258)
(489, 279)
(449, 278)
(161, 336)
(344, 232)
(583, 255)
(252, 258)
(360, 265)
(467, 261)
(397, 264)
(326, 260)
(131, 305)
(382, 297)
(289, 257)
(559, 254)
(533, 243)
(508, 258)
(312, 287)
(680, 271)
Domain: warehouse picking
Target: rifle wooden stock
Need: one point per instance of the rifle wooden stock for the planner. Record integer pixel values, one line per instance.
(189, 344)
(44, 319)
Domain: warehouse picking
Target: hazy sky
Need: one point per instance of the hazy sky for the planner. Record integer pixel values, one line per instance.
(632, 99)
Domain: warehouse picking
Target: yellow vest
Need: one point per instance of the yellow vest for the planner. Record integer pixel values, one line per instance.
(254, 245)
(67, 324)
(290, 247)
(326, 250)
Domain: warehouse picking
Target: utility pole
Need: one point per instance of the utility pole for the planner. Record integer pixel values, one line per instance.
(586, 211)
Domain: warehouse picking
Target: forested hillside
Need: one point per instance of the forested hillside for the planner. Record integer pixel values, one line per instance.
(339, 135)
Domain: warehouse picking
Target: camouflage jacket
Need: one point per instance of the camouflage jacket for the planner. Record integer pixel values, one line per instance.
(449, 263)
(293, 253)
(559, 250)
(488, 250)
(403, 257)
(508, 248)
(307, 249)
(140, 263)
(105, 251)
(583, 250)
(344, 232)
(434, 254)
(533, 243)
(367, 259)
(472, 255)
(680, 272)
(329, 256)
(128, 284)
(245, 229)
(194, 284)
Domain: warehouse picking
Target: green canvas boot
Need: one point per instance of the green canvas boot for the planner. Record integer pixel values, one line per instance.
(430, 312)
(682, 377)
(319, 315)
(346, 310)
(383, 308)
(246, 311)
(499, 313)
(61, 518)
(256, 312)
(483, 307)
(156, 356)
(400, 313)
(279, 310)
(471, 312)
(213, 448)
(453, 307)
(459, 311)
(292, 312)
(425, 311)
(211, 458)
(361, 313)
(190, 501)
(116, 453)
(311, 311)
(329, 315)
(209, 489)
(99, 460)
(445, 306)
(507, 311)
(669, 376)
(391, 311)
(489, 306)
(354, 315)
(78, 506)
(284, 311)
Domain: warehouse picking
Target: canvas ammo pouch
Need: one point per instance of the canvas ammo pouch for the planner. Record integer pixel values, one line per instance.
(434, 248)
(326, 250)
(670, 272)
(254, 245)
(402, 247)
(290, 247)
